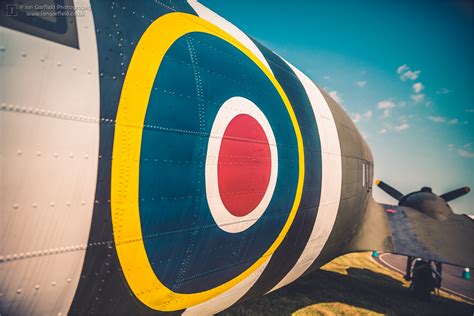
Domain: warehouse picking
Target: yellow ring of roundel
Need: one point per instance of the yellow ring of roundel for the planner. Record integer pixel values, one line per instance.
(146, 60)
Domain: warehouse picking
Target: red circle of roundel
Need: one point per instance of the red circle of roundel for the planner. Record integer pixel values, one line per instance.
(244, 165)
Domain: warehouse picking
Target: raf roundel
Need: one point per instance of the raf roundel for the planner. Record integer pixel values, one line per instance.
(214, 177)
(241, 165)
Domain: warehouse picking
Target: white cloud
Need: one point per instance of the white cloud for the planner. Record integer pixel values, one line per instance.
(412, 75)
(418, 87)
(402, 127)
(404, 118)
(327, 77)
(356, 117)
(442, 119)
(443, 91)
(361, 83)
(365, 135)
(336, 96)
(405, 73)
(402, 68)
(437, 119)
(368, 115)
(465, 153)
(385, 104)
(462, 151)
(469, 110)
(417, 97)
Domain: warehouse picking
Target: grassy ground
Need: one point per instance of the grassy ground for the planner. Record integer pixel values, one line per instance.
(350, 285)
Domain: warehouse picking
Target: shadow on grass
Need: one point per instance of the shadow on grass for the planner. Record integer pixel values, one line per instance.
(360, 288)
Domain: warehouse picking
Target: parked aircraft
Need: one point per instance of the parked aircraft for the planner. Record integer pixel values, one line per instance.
(156, 159)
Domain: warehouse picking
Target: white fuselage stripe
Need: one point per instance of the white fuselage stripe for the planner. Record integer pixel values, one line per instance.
(330, 184)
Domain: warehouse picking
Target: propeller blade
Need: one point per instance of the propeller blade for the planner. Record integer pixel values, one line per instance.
(389, 190)
(451, 195)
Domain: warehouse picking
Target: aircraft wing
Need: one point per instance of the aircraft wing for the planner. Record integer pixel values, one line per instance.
(407, 231)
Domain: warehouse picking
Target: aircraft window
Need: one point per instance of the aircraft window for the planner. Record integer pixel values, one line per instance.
(367, 176)
(363, 174)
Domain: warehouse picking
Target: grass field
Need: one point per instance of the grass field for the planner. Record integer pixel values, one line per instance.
(353, 284)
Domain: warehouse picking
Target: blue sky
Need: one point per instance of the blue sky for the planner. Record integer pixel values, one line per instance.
(403, 70)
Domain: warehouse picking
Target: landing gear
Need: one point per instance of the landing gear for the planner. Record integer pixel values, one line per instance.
(424, 278)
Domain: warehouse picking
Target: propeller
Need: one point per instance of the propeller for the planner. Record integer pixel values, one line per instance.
(454, 194)
(389, 190)
(397, 195)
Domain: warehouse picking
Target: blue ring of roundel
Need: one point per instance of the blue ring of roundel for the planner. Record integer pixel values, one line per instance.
(188, 252)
